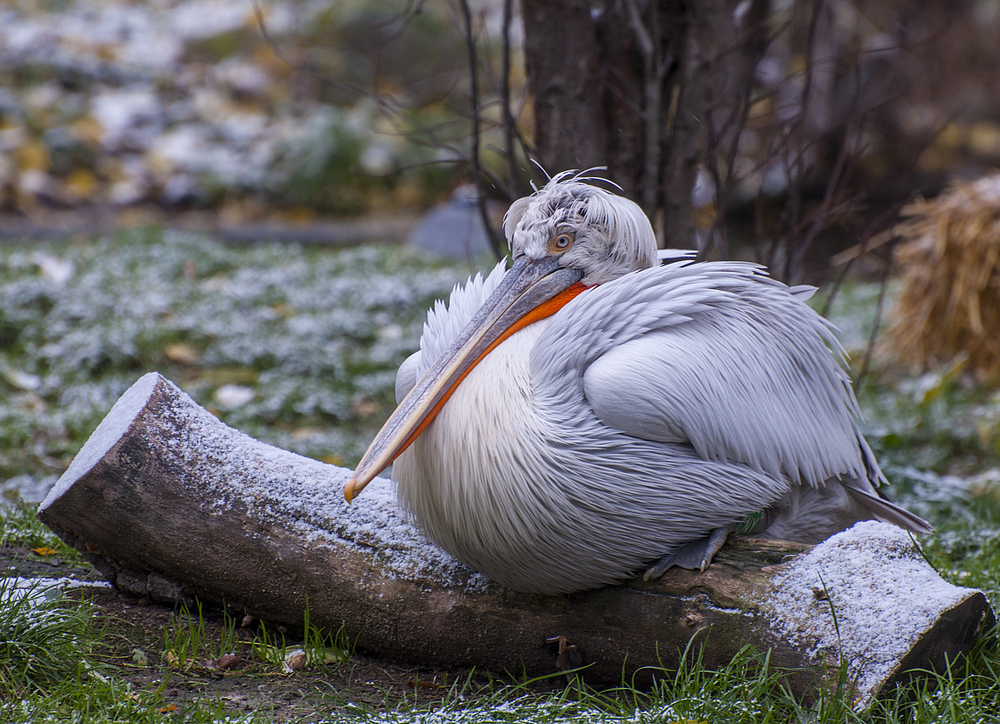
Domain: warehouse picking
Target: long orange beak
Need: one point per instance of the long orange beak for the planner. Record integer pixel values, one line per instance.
(530, 290)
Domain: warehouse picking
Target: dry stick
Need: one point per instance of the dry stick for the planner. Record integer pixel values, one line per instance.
(477, 175)
(869, 350)
(508, 116)
(734, 126)
(819, 218)
(654, 71)
(793, 206)
(426, 135)
(870, 239)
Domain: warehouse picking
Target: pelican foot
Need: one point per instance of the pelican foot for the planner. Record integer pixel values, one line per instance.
(696, 555)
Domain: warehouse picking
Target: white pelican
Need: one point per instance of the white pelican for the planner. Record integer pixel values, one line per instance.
(590, 412)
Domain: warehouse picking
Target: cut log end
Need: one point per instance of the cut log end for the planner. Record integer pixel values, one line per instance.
(170, 503)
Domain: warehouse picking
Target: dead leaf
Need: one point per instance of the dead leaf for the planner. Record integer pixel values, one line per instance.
(294, 661)
(418, 683)
(81, 184)
(33, 156)
(87, 129)
(363, 407)
(984, 139)
(183, 353)
(44, 551)
(226, 662)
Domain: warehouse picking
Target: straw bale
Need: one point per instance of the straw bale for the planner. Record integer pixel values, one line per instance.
(948, 306)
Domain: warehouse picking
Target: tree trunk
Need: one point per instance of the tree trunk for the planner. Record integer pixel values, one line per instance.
(631, 92)
(170, 503)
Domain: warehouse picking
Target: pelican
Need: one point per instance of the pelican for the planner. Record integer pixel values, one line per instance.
(590, 413)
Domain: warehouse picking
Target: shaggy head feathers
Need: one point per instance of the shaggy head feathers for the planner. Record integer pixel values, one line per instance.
(612, 235)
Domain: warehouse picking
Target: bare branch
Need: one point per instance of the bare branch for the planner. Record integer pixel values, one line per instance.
(476, 166)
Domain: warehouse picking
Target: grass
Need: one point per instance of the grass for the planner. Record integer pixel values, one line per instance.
(318, 647)
(187, 643)
(295, 346)
(43, 636)
(110, 701)
(298, 348)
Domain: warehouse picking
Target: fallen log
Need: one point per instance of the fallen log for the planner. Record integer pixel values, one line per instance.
(169, 503)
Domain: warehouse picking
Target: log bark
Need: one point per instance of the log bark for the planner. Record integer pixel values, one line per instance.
(170, 503)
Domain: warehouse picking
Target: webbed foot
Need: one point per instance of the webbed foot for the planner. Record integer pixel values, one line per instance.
(697, 554)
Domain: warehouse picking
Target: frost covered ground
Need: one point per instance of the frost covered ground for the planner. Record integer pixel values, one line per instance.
(296, 347)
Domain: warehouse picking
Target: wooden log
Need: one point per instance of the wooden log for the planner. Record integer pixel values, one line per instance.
(170, 503)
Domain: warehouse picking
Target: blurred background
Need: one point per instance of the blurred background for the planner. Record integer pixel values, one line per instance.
(798, 123)
(260, 198)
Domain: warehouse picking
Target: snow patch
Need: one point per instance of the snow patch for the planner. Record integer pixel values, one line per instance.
(865, 593)
(40, 590)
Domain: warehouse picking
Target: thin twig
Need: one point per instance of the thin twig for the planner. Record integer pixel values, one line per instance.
(870, 349)
(508, 117)
(474, 160)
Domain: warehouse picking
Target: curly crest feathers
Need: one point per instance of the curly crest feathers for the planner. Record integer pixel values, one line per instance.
(620, 236)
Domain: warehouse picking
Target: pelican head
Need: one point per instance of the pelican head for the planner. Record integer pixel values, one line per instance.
(564, 238)
(599, 233)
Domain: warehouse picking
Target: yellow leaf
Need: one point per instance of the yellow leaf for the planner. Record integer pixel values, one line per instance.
(363, 407)
(81, 184)
(298, 215)
(282, 309)
(984, 138)
(44, 551)
(183, 353)
(33, 155)
(951, 136)
(302, 433)
(87, 129)
(107, 51)
(704, 216)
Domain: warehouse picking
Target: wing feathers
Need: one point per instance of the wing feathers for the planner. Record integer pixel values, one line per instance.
(717, 356)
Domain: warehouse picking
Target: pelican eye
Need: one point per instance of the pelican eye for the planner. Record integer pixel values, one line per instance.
(561, 242)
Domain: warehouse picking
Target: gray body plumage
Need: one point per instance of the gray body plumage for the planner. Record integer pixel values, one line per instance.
(656, 407)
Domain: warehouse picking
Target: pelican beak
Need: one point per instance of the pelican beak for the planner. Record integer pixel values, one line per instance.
(530, 290)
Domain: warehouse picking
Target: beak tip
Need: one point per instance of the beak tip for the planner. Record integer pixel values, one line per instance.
(349, 493)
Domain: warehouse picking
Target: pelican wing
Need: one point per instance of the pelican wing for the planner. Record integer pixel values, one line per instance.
(717, 356)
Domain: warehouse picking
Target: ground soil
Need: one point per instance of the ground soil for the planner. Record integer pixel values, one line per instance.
(134, 644)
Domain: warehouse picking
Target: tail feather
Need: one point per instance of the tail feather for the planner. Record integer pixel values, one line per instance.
(887, 512)
(811, 515)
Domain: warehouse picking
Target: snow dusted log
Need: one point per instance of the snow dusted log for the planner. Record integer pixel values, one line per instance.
(170, 503)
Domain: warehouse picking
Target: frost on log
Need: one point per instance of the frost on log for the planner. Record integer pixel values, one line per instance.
(170, 503)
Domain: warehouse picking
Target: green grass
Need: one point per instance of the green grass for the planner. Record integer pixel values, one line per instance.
(186, 641)
(96, 700)
(748, 690)
(20, 526)
(44, 637)
(319, 647)
(315, 335)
